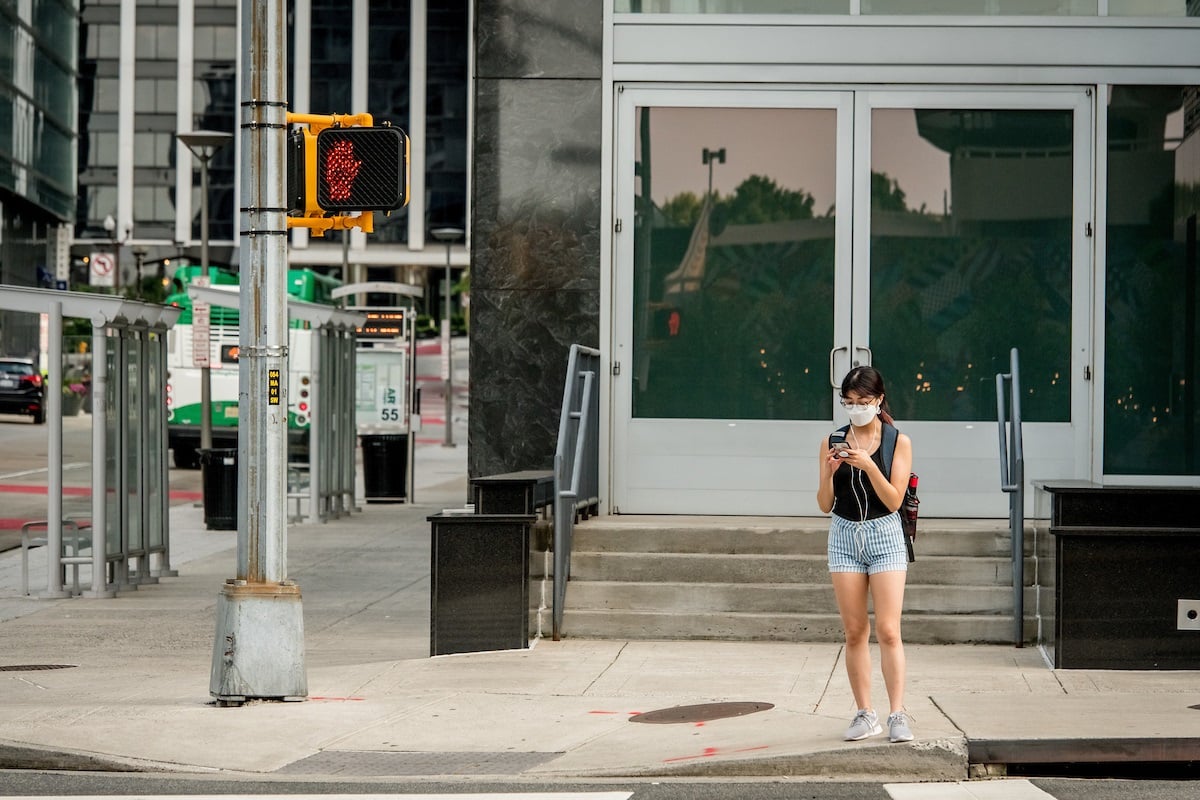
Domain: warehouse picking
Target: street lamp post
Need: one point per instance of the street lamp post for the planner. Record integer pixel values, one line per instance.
(204, 145)
(110, 225)
(139, 257)
(449, 236)
(708, 157)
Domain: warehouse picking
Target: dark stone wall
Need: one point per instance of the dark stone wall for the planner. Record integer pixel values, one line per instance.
(535, 221)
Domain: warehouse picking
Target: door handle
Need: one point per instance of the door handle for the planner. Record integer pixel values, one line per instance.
(867, 350)
(832, 353)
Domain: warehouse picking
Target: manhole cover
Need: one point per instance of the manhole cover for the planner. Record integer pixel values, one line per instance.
(700, 713)
(32, 667)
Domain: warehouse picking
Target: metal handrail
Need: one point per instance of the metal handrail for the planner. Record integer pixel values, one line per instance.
(1012, 481)
(576, 464)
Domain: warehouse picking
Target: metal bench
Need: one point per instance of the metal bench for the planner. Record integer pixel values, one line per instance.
(76, 537)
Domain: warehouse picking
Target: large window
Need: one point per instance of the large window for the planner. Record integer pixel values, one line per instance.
(734, 263)
(970, 257)
(1031, 8)
(1151, 412)
(388, 69)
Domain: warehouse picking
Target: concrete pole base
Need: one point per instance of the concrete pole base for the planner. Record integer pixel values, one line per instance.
(258, 652)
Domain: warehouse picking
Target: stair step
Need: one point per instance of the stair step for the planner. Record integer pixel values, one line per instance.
(682, 597)
(918, 628)
(766, 578)
(733, 540)
(767, 568)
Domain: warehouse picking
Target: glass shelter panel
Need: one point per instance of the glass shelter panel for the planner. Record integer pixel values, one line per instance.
(732, 6)
(135, 441)
(1153, 8)
(1151, 413)
(734, 263)
(154, 487)
(1028, 8)
(971, 256)
(113, 407)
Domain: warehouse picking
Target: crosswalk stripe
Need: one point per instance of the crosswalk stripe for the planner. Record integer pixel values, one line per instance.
(475, 796)
(973, 790)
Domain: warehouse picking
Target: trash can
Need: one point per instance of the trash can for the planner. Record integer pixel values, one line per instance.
(385, 467)
(220, 488)
(479, 596)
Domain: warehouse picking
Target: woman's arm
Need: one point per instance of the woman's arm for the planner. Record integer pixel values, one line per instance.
(828, 462)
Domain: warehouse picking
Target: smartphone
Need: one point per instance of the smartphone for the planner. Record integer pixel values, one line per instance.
(837, 440)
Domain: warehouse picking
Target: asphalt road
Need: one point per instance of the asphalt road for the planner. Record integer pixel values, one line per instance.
(24, 473)
(50, 784)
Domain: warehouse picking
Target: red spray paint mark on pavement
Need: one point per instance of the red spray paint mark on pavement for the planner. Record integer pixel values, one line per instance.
(319, 699)
(709, 752)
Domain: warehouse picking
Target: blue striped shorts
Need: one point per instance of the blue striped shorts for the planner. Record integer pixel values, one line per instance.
(876, 545)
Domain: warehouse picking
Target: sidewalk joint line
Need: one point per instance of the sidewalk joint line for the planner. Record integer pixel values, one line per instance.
(604, 671)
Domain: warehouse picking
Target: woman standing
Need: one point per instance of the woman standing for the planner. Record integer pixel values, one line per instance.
(866, 547)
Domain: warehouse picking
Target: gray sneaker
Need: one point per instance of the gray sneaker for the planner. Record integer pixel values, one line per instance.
(865, 723)
(898, 730)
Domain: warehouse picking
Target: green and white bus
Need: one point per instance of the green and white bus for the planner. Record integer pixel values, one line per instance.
(183, 374)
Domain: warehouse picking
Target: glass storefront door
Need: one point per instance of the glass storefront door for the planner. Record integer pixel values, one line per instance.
(777, 238)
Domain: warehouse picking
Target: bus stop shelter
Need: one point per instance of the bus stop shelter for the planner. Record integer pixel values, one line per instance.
(331, 433)
(129, 523)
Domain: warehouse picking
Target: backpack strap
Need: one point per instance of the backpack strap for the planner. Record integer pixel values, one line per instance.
(887, 447)
(842, 430)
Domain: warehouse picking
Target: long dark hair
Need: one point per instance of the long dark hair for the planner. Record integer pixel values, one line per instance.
(868, 382)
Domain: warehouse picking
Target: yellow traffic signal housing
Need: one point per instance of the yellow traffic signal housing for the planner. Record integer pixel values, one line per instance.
(338, 164)
(302, 173)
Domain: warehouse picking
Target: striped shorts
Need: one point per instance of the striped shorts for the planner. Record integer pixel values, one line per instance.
(876, 545)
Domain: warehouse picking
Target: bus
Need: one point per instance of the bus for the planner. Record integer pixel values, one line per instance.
(183, 376)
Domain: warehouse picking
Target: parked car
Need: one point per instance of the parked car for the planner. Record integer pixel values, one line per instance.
(22, 390)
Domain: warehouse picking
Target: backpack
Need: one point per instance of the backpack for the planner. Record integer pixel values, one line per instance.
(910, 503)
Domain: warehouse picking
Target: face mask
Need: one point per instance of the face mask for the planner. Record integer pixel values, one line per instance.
(861, 415)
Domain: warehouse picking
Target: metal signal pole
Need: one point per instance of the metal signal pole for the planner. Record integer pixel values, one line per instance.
(258, 652)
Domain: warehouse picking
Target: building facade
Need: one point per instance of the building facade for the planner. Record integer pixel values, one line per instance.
(737, 202)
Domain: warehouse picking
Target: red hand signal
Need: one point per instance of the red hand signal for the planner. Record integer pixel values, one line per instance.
(341, 168)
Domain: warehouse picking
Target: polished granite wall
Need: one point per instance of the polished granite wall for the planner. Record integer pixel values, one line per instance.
(535, 221)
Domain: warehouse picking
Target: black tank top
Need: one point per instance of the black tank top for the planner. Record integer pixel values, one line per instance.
(853, 493)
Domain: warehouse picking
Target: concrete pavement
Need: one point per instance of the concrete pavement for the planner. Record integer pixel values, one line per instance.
(131, 690)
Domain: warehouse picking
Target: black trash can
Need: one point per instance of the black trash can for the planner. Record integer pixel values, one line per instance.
(220, 488)
(479, 571)
(385, 467)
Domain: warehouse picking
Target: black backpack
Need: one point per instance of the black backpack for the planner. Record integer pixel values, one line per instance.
(910, 503)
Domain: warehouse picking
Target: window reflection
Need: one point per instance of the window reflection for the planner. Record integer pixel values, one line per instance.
(1151, 413)
(734, 263)
(970, 257)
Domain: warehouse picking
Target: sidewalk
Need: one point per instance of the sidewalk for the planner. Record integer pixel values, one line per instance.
(133, 693)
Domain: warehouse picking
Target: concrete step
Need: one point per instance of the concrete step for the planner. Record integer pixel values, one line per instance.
(755, 578)
(688, 598)
(918, 628)
(642, 567)
(776, 536)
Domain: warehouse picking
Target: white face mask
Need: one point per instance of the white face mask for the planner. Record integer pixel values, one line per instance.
(861, 414)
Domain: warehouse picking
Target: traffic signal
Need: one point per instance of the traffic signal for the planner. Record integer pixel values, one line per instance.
(301, 191)
(361, 169)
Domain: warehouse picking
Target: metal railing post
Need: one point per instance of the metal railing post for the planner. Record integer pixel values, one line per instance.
(1012, 481)
(576, 471)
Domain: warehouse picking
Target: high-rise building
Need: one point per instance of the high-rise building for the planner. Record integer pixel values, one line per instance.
(37, 152)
